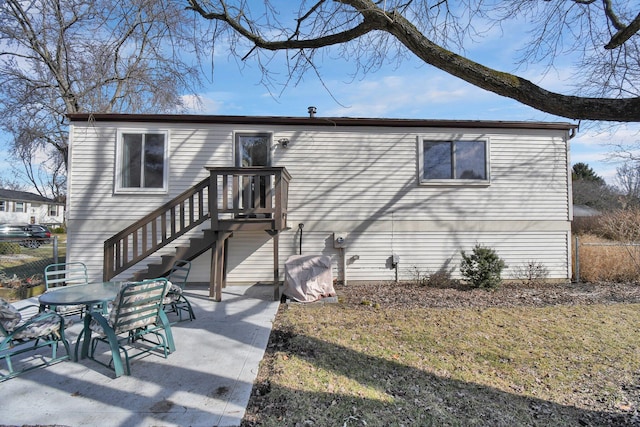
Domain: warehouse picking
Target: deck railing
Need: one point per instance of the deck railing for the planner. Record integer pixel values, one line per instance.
(156, 230)
(240, 196)
(231, 197)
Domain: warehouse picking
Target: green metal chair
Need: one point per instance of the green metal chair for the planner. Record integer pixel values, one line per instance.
(21, 334)
(175, 301)
(66, 274)
(136, 325)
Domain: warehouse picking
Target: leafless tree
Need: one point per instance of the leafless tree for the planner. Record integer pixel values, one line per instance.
(602, 36)
(627, 180)
(11, 184)
(68, 56)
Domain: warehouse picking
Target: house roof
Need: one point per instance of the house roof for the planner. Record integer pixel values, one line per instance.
(319, 121)
(584, 210)
(23, 196)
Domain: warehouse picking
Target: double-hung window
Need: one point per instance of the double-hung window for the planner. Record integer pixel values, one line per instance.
(19, 207)
(454, 161)
(3, 207)
(142, 162)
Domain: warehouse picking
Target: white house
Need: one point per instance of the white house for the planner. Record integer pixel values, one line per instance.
(21, 207)
(384, 198)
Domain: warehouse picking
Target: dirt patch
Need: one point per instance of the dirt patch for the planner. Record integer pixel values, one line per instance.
(508, 295)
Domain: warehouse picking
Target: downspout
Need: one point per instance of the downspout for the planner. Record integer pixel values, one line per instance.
(344, 266)
(300, 227)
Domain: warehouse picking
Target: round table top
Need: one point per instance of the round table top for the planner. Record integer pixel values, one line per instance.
(91, 293)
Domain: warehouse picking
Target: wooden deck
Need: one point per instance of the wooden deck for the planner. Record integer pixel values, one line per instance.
(232, 199)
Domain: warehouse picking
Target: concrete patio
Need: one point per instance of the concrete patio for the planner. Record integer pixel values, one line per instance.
(207, 381)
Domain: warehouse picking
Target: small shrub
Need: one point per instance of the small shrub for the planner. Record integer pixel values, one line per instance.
(442, 279)
(622, 225)
(531, 272)
(418, 276)
(9, 248)
(58, 230)
(482, 269)
(439, 279)
(585, 225)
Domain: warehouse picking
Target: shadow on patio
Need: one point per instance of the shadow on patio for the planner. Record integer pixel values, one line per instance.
(206, 381)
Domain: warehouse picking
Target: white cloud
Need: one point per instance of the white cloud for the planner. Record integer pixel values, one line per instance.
(202, 104)
(422, 94)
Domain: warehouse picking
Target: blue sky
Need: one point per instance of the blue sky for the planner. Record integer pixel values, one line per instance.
(410, 90)
(413, 90)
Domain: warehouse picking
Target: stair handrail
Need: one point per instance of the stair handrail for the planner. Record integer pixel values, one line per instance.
(116, 249)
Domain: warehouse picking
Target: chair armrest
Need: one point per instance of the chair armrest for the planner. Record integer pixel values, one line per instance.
(29, 311)
(100, 319)
(40, 317)
(29, 306)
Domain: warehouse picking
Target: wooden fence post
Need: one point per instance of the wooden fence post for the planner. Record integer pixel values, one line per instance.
(577, 259)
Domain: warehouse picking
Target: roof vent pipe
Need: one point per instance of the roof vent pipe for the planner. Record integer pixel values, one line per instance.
(312, 111)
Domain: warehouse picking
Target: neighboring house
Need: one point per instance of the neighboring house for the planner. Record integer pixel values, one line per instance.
(581, 211)
(20, 207)
(386, 199)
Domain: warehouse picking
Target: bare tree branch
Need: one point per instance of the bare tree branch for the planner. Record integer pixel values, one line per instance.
(375, 20)
(624, 34)
(66, 56)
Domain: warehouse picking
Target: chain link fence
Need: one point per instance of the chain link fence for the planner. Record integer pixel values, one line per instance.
(596, 261)
(21, 266)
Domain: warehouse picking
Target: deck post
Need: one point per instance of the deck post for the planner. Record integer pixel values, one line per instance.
(212, 270)
(276, 269)
(218, 275)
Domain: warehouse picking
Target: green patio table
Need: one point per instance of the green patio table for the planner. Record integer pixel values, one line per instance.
(89, 295)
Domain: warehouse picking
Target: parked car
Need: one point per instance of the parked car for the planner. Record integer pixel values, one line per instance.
(29, 235)
(13, 232)
(39, 233)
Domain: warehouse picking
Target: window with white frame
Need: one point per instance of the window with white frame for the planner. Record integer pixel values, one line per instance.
(3, 206)
(18, 207)
(454, 161)
(53, 210)
(142, 161)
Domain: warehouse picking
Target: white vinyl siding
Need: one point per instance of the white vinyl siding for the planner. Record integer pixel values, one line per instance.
(359, 180)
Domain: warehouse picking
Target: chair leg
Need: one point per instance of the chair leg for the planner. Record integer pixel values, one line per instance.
(167, 331)
(89, 345)
(7, 359)
(183, 304)
(178, 306)
(192, 315)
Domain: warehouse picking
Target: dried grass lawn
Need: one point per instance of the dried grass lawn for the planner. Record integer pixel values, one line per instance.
(405, 355)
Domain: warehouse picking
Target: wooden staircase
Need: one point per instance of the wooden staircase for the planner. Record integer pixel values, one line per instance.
(196, 247)
(233, 199)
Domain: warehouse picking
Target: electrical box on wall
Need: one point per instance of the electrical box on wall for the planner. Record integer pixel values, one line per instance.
(340, 240)
(395, 259)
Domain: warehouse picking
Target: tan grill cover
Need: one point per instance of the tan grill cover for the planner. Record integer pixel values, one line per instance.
(308, 278)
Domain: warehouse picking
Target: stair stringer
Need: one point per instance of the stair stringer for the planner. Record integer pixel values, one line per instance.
(196, 247)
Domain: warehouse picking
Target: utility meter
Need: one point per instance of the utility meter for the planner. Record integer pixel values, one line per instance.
(339, 240)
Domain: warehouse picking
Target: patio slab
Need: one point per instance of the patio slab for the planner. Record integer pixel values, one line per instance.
(207, 381)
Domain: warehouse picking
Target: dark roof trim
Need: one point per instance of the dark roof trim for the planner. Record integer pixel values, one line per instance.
(316, 121)
(23, 196)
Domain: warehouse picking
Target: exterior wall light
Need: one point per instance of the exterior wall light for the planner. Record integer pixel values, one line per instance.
(284, 142)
